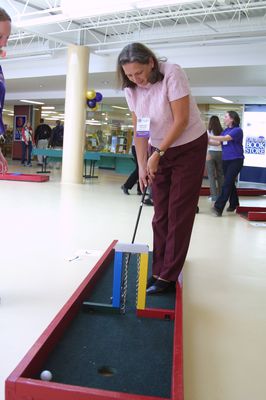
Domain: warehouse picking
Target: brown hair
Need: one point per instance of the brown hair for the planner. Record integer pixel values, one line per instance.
(137, 52)
(235, 117)
(215, 126)
(4, 15)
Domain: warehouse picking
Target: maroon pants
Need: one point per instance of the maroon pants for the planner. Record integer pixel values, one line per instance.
(175, 193)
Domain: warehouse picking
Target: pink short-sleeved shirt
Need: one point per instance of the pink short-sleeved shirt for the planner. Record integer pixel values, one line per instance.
(153, 101)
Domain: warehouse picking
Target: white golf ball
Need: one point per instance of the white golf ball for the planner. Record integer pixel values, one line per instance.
(46, 375)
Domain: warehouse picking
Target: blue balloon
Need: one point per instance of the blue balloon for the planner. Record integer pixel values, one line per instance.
(91, 103)
(98, 97)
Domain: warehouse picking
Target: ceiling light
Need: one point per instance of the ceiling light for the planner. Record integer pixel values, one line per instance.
(222, 99)
(89, 122)
(25, 57)
(120, 108)
(92, 120)
(162, 3)
(48, 107)
(81, 8)
(31, 102)
(23, 23)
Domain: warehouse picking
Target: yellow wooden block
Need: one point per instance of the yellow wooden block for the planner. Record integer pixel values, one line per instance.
(143, 273)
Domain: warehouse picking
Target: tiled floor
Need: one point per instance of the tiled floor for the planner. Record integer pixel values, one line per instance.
(43, 225)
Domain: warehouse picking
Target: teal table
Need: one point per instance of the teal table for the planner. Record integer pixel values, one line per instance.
(120, 163)
(93, 157)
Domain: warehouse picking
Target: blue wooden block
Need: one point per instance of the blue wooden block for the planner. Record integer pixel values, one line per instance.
(117, 281)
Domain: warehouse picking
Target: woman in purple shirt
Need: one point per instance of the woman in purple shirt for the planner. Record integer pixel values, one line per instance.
(5, 29)
(166, 116)
(233, 158)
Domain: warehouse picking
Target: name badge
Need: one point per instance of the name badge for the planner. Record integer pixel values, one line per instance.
(143, 127)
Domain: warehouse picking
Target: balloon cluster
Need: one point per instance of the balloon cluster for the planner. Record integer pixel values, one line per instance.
(93, 98)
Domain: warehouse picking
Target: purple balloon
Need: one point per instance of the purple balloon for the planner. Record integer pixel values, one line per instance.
(98, 97)
(91, 103)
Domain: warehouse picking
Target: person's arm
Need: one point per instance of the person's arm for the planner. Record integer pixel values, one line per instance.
(180, 112)
(213, 142)
(141, 146)
(225, 138)
(24, 136)
(3, 164)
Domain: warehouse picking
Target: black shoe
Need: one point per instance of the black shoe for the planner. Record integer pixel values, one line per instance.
(160, 287)
(125, 190)
(197, 210)
(216, 212)
(151, 280)
(231, 209)
(139, 192)
(148, 202)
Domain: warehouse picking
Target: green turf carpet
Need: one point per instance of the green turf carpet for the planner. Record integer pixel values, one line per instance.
(117, 352)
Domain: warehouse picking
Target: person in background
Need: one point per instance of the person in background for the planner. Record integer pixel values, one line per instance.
(57, 136)
(165, 114)
(27, 143)
(5, 29)
(42, 137)
(56, 140)
(134, 176)
(214, 161)
(233, 158)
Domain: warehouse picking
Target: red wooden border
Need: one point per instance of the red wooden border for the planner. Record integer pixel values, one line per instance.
(256, 216)
(24, 177)
(246, 209)
(205, 191)
(19, 386)
(177, 374)
(33, 389)
(159, 313)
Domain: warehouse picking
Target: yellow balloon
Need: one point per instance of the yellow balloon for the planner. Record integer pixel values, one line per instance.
(95, 108)
(91, 94)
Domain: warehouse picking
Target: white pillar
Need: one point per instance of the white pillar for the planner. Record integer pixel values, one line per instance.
(75, 114)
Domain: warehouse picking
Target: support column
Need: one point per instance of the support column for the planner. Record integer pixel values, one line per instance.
(75, 114)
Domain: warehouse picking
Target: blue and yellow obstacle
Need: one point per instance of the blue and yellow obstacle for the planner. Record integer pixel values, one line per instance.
(122, 250)
(143, 251)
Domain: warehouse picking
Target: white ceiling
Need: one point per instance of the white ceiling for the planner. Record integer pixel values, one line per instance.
(220, 43)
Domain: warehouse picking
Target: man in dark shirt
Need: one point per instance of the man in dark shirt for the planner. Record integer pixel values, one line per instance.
(42, 137)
